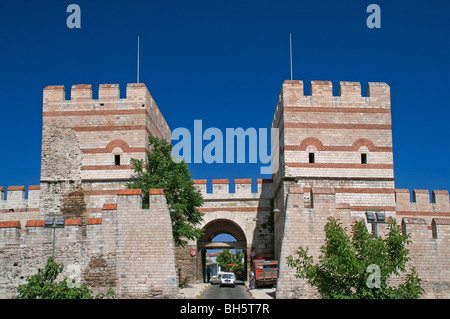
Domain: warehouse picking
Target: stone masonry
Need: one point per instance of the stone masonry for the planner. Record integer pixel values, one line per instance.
(336, 159)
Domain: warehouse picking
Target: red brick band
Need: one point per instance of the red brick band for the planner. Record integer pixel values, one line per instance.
(368, 208)
(234, 209)
(93, 113)
(72, 222)
(129, 192)
(16, 188)
(220, 181)
(423, 214)
(243, 181)
(35, 223)
(156, 191)
(366, 190)
(112, 145)
(340, 165)
(105, 167)
(336, 109)
(10, 224)
(100, 192)
(109, 207)
(339, 126)
(94, 221)
(109, 128)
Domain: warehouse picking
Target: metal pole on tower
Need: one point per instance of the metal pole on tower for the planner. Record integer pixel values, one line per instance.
(290, 44)
(138, 61)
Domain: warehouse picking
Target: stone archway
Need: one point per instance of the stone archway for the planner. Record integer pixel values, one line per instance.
(221, 226)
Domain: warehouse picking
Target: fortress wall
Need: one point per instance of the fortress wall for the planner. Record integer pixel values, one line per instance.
(429, 252)
(145, 259)
(128, 249)
(304, 222)
(429, 232)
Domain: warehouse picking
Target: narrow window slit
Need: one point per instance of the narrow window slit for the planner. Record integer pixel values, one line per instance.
(117, 159)
(363, 158)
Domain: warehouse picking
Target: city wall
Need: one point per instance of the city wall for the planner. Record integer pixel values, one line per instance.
(336, 159)
(128, 249)
(428, 227)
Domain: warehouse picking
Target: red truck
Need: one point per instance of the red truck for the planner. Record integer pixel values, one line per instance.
(266, 272)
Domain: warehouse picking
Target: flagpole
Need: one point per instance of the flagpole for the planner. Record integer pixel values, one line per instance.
(290, 44)
(138, 61)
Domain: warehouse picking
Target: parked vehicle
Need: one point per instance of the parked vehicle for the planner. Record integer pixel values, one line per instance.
(227, 279)
(266, 272)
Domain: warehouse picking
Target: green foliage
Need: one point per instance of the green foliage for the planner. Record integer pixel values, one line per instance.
(44, 285)
(226, 257)
(342, 270)
(160, 171)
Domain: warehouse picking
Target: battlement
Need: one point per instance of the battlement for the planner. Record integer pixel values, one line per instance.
(32, 231)
(15, 200)
(421, 201)
(83, 92)
(221, 188)
(138, 100)
(378, 94)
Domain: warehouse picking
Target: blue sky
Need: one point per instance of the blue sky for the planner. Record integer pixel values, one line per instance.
(224, 62)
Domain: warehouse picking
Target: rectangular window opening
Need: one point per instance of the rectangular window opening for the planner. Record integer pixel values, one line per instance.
(311, 157)
(117, 159)
(363, 158)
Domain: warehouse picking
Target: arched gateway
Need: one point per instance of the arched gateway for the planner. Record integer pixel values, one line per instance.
(217, 227)
(244, 214)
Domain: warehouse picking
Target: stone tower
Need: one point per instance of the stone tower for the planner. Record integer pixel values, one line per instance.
(335, 159)
(87, 145)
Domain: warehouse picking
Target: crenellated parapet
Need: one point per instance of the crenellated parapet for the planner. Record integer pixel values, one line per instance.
(137, 100)
(326, 135)
(421, 202)
(243, 188)
(350, 95)
(18, 200)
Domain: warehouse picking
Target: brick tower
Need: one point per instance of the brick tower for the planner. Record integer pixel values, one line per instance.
(335, 159)
(87, 145)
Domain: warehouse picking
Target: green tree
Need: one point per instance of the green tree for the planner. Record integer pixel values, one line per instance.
(360, 267)
(160, 171)
(44, 285)
(226, 258)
